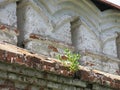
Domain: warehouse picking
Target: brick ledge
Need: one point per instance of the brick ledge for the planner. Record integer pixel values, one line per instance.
(13, 54)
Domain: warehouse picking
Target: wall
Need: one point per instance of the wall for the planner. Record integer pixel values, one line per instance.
(48, 27)
(8, 21)
(21, 70)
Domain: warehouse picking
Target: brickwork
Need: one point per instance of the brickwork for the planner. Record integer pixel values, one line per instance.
(21, 70)
(48, 27)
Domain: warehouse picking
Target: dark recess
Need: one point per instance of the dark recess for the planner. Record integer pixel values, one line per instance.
(90, 86)
(102, 6)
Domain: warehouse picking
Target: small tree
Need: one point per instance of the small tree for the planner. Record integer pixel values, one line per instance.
(70, 59)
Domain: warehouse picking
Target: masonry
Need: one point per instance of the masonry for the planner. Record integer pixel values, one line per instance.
(45, 28)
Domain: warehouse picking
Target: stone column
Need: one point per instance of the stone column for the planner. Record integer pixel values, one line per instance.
(85, 39)
(97, 52)
(8, 21)
(109, 44)
(118, 45)
(40, 31)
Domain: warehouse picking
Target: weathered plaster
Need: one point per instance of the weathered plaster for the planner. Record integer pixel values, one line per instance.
(8, 13)
(47, 27)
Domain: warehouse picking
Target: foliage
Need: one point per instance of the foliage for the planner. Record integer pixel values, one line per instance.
(70, 58)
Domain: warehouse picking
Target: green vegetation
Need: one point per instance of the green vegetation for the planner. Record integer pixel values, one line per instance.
(70, 59)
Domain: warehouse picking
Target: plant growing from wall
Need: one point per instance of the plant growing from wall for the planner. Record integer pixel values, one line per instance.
(70, 59)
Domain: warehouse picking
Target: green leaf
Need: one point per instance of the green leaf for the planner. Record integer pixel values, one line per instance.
(72, 58)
